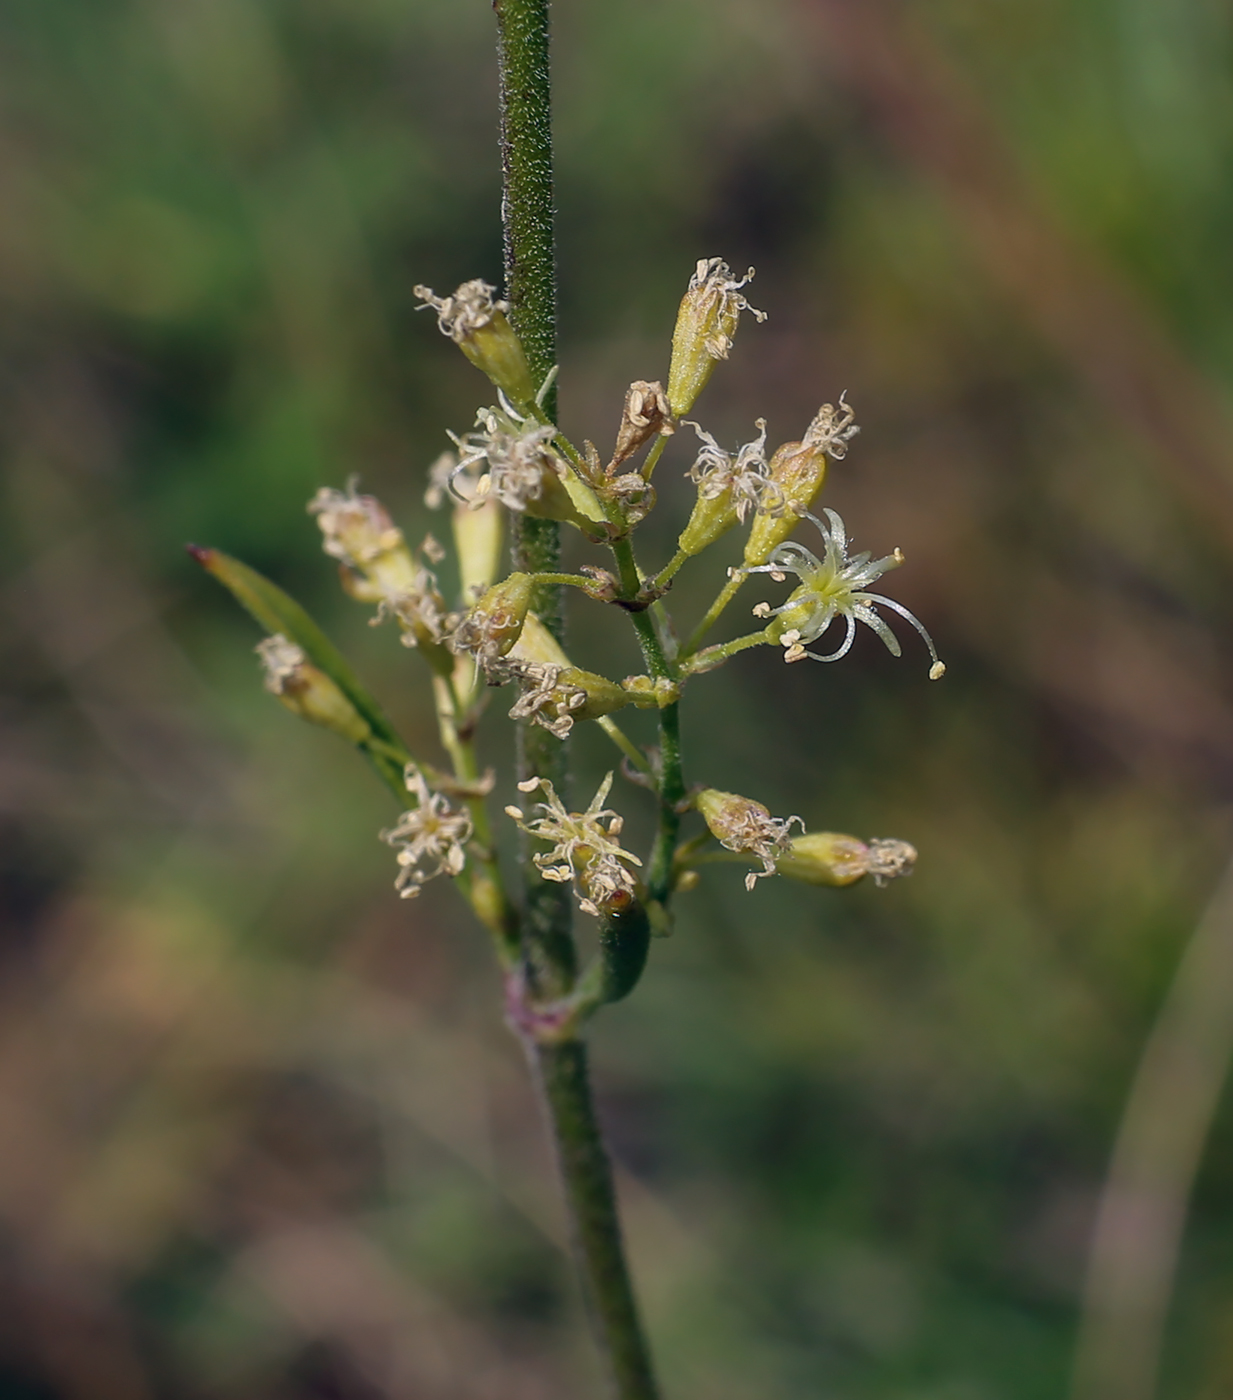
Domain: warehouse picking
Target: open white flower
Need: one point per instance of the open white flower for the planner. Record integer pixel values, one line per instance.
(432, 837)
(584, 851)
(833, 586)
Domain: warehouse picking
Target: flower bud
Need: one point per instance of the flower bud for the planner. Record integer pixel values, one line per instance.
(309, 692)
(743, 825)
(705, 325)
(480, 328)
(494, 624)
(825, 858)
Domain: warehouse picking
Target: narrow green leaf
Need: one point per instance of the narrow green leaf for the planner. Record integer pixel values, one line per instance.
(277, 612)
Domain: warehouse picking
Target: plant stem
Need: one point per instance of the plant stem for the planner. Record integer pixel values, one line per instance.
(562, 1072)
(530, 278)
(726, 595)
(672, 780)
(711, 657)
(549, 950)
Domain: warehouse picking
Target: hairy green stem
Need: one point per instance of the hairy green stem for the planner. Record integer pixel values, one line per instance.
(562, 1073)
(530, 281)
(549, 950)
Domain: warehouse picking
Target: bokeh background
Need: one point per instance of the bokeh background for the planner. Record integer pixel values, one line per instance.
(262, 1134)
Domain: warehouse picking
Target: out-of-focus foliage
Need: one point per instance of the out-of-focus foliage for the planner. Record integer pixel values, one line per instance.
(263, 1134)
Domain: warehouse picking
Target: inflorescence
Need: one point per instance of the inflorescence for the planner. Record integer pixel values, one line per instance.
(514, 460)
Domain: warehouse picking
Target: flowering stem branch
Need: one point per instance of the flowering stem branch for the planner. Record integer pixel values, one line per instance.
(669, 570)
(624, 743)
(672, 780)
(549, 950)
(715, 656)
(726, 595)
(653, 456)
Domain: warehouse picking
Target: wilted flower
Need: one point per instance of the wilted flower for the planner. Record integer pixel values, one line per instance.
(741, 480)
(359, 533)
(583, 849)
(741, 824)
(827, 858)
(377, 566)
(728, 487)
(705, 325)
(494, 624)
(479, 326)
(307, 691)
(833, 429)
(833, 586)
(646, 413)
(556, 696)
(432, 837)
(519, 466)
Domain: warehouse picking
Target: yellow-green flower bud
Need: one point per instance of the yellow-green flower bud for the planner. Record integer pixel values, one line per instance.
(309, 692)
(489, 631)
(826, 858)
(480, 328)
(743, 825)
(705, 325)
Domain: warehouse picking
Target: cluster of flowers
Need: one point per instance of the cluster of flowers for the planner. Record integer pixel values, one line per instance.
(516, 460)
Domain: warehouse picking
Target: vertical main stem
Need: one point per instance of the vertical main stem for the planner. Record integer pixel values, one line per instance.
(530, 283)
(549, 951)
(562, 1072)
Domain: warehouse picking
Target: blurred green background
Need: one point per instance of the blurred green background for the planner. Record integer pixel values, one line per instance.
(263, 1132)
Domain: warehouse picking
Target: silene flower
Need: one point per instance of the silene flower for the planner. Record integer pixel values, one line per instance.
(832, 429)
(431, 836)
(584, 850)
(833, 586)
(705, 324)
(377, 566)
(511, 459)
(743, 825)
(479, 325)
(556, 697)
(743, 480)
